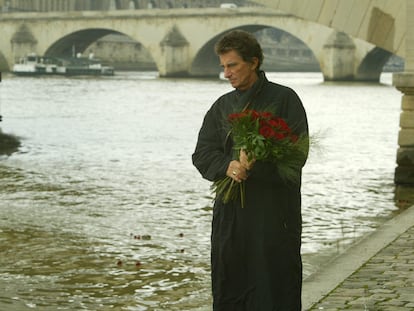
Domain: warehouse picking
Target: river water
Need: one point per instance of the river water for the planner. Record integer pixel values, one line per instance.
(101, 209)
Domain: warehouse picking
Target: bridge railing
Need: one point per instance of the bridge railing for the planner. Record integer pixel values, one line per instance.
(106, 5)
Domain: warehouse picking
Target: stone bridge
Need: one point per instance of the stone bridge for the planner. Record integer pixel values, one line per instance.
(181, 41)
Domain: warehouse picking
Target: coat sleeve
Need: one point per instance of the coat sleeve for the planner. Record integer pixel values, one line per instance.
(293, 112)
(209, 156)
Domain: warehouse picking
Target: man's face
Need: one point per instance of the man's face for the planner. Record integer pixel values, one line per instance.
(241, 74)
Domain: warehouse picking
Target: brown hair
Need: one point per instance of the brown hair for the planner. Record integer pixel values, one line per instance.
(243, 42)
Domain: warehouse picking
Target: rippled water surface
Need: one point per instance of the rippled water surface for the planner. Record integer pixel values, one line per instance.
(101, 209)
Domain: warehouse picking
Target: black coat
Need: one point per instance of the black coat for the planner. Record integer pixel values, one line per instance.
(255, 257)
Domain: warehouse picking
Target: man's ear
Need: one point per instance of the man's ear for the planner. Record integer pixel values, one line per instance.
(255, 63)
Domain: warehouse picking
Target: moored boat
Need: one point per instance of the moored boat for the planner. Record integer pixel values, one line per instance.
(36, 65)
(33, 65)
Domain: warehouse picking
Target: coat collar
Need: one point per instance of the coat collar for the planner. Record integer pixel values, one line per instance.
(246, 98)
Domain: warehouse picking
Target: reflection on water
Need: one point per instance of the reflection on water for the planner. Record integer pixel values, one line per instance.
(102, 209)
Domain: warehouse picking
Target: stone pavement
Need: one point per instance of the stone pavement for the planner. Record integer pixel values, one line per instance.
(376, 273)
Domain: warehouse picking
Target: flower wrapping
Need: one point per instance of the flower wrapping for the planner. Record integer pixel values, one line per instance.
(263, 136)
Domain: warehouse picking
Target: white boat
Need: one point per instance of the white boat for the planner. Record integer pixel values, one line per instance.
(32, 65)
(36, 65)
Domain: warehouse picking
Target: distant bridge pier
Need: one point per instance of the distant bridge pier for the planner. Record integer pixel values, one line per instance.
(174, 55)
(22, 43)
(343, 60)
(404, 172)
(337, 62)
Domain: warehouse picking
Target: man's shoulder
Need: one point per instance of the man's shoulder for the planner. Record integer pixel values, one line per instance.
(279, 87)
(229, 94)
(222, 99)
(222, 103)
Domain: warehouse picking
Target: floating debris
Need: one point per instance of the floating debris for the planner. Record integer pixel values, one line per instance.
(141, 237)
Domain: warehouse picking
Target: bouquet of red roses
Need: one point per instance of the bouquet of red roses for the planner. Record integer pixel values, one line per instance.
(266, 137)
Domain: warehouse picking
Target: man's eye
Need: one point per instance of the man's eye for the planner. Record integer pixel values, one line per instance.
(228, 65)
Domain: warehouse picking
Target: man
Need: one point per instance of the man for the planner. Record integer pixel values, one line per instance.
(255, 257)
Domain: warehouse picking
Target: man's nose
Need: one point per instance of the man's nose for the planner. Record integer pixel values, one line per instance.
(227, 72)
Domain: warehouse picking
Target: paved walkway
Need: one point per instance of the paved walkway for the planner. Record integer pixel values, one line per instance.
(377, 273)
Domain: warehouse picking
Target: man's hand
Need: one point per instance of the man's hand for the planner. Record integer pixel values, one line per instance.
(236, 171)
(244, 160)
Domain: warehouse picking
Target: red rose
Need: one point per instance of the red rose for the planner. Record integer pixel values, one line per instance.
(266, 115)
(267, 131)
(279, 135)
(283, 125)
(274, 123)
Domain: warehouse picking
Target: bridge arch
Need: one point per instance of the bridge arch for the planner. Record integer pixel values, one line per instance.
(372, 64)
(205, 62)
(77, 41)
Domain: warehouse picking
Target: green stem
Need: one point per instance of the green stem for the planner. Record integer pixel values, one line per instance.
(242, 201)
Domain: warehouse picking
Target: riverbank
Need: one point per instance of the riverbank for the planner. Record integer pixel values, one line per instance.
(375, 273)
(8, 143)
